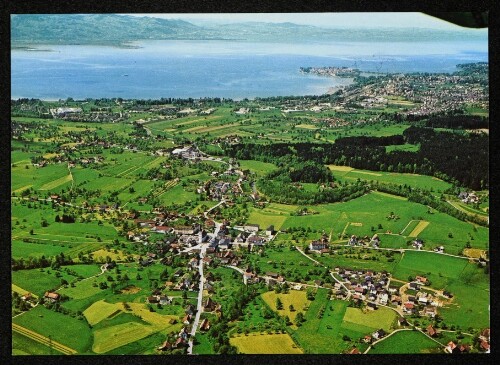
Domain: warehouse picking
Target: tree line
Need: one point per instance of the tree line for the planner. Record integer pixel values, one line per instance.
(459, 158)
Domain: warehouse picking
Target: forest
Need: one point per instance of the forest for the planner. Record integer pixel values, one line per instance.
(459, 158)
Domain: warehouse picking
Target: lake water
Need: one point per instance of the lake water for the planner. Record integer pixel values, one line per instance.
(228, 69)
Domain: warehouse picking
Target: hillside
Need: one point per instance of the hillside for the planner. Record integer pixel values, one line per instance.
(113, 29)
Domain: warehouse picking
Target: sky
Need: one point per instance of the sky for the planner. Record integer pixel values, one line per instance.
(386, 19)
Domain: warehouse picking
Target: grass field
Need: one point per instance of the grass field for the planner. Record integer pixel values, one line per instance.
(203, 345)
(35, 281)
(471, 303)
(414, 180)
(50, 177)
(324, 335)
(22, 345)
(101, 310)
(112, 337)
(335, 216)
(255, 343)
(404, 147)
(64, 329)
(102, 253)
(177, 195)
(264, 218)
(440, 267)
(380, 318)
(296, 298)
(418, 229)
(27, 249)
(259, 168)
(406, 342)
(21, 291)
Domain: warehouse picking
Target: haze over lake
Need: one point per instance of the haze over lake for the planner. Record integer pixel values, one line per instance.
(230, 69)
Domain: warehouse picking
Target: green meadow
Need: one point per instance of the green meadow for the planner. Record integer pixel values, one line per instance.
(64, 329)
(406, 342)
(257, 167)
(22, 345)
(344, 173)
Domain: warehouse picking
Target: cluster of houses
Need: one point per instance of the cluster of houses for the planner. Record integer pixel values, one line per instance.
(468, 197)
(187, 152)
(364, 241)
(77, 114)
(422, 302)
(418, 244)
(231, 139)
(434, 93)
(83, 161)
(52, 297)
(217, 190)
(182, 338)
(364, 285)
(457, 348)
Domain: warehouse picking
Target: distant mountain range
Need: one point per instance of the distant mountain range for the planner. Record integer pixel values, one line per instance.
(113, 29)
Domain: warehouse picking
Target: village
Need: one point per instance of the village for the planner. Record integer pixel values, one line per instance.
(205, 243)
(180, 230)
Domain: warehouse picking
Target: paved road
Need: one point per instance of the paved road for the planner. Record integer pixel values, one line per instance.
(200, 299)
(200, 293)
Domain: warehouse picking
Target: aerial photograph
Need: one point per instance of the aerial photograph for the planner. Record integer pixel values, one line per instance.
(249, 183)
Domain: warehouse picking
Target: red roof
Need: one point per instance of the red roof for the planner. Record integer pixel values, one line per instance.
(430, 330)
(51, 295)
(421, 279)
(409, 305)
(485, 345)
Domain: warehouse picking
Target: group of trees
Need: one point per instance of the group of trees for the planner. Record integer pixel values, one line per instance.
(283, 192)
(456, 157)
(423, 197)
(307, 172)
(40, 262)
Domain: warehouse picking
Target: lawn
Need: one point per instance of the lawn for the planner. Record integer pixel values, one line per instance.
(35, 281)
(406, 342)
(381, 318)
(101, 310)
(439, 269)
(85, 270)
(403, 147)
(392, 241)
(177, 195)
(67, 330)
(22, 345)
(293, 297)
(284, 260)
(413, 180)
(202, 345)
(27, 249)
(257, 167)
(418, 229)
(255, 343)
(364, 261)
(103, 253)
(325, 335)
(373, 209)
(38, 178)
(83, 295)
(470, 306)
(112, 337)
(264, 218)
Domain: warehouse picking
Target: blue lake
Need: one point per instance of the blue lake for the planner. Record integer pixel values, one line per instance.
(227, 69)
